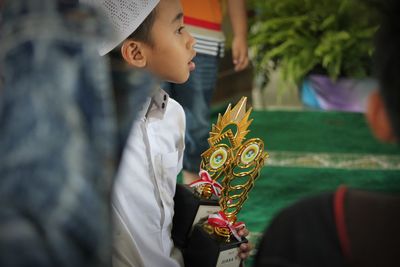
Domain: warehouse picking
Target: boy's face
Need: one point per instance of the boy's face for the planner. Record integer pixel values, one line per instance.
(170, 56)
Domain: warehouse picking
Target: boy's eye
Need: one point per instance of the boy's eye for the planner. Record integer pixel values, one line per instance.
(180, 29)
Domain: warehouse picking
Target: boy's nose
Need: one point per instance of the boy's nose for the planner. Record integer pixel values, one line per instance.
(191, 42)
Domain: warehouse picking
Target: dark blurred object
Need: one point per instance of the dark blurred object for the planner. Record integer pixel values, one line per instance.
(334, 229)
(67, 4)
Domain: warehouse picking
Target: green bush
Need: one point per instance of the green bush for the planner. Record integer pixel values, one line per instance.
(299, 36)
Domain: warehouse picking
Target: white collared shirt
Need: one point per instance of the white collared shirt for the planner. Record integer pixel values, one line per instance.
(143, 205)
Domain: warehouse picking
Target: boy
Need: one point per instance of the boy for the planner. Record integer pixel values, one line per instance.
(143, 204)
(349, 227)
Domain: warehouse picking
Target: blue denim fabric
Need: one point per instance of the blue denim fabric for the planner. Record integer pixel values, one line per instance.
(195, 97)
(57, 129)
(58, 137)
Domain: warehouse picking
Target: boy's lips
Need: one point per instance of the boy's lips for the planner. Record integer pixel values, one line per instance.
(191, 64)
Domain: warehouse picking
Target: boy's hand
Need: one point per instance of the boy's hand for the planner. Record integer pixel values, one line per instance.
(245, 248)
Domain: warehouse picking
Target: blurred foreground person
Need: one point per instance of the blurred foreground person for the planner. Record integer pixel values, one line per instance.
(349, 227)
(60, 136)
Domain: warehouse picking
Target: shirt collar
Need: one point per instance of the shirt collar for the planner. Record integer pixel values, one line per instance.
(157, 104)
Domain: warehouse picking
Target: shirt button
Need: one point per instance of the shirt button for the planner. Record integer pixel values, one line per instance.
(165, 97)
(163, 105)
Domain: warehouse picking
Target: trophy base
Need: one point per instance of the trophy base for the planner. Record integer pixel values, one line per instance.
(189, 209)
(205, 250)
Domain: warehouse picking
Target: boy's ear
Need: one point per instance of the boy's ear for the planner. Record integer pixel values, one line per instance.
(133, 53)
(378, 118)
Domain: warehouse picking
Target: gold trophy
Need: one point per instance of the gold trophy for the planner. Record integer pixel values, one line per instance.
(235, 164)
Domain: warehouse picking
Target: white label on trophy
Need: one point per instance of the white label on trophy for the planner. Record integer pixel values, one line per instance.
(229, 258)
(204, 211)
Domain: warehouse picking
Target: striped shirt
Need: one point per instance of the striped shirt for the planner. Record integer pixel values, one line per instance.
(203, 20)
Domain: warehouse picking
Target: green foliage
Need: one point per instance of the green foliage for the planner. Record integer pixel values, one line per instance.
(299, 36)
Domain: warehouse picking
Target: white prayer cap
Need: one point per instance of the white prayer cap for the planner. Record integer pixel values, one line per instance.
(125, 16)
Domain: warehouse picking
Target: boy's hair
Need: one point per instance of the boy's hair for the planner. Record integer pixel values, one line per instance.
(387, 61)
(143, 32)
